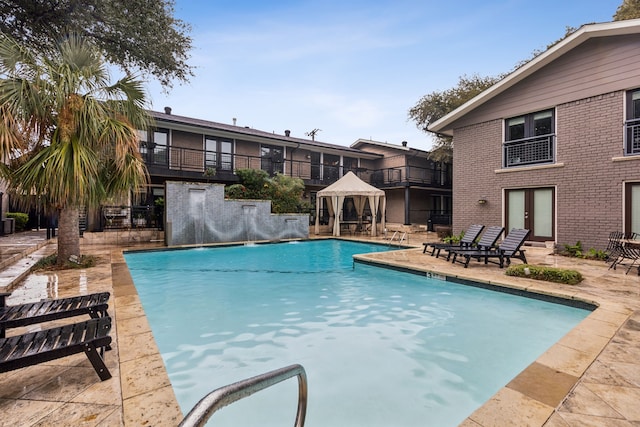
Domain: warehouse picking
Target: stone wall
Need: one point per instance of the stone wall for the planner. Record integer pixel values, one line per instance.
(197, 213)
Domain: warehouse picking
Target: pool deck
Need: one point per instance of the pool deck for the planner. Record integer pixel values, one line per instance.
(591, 377)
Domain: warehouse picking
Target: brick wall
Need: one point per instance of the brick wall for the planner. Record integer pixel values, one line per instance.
(588, 182)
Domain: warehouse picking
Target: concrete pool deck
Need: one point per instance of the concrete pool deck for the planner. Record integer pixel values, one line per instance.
(591, 377)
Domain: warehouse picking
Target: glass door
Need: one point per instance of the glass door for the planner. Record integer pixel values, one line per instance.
(533, 209)
(632, 211)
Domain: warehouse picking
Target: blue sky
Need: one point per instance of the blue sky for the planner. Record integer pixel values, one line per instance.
(353, 69)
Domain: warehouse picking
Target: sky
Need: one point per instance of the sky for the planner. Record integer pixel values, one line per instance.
(353, 68)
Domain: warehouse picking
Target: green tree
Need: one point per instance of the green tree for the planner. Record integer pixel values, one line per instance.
(70, 134)
(283, 191)
(629, 9)
(134, 34)
(436, 105)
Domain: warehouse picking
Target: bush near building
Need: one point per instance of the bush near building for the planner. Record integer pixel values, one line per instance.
(284, 192)
(20, 218)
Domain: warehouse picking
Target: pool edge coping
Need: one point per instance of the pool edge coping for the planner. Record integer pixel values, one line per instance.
(528, 401)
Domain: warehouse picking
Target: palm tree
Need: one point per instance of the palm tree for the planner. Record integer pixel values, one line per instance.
(69, 135)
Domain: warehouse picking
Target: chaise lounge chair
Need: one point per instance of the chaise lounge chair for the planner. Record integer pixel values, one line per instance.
(467, 240)
(509, 248)
(33, 348)
(487, 241)
(95, 305)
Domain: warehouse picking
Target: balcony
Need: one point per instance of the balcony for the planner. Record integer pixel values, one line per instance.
(632, 137)
(130, 217)
(529, 151)
(195, 164)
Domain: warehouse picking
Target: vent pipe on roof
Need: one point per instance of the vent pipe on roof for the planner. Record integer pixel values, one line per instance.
(167, 110)
(234, 121)
(404, 143)
(287, 133)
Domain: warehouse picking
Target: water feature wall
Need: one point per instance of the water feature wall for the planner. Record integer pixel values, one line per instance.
(197, 213)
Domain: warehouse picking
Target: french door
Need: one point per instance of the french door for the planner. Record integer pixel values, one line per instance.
(533, 209)
(632, 208)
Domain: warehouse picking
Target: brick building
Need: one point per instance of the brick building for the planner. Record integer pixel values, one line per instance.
(555, 146)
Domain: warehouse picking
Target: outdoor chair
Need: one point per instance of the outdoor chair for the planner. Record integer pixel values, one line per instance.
(614, 248)
(467, 240)
(95, 305)
(90, 337)
(623, 248)
(508, 249)
(487, 241)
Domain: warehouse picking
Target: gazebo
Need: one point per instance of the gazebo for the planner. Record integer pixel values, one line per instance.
(351, 186)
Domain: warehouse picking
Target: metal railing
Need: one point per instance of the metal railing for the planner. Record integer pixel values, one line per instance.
(216, 164)
(124, 217)
(223, 396)
(529, 151)
(632, 137)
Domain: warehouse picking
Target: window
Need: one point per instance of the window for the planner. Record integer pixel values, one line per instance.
(142, 136)
(153, 145)
(632, 124)
(272, 159)
(158, 147)
(315, 166)
(331, 168)
(529, 139)
(632, 207)
(349, 164)
(219, 153)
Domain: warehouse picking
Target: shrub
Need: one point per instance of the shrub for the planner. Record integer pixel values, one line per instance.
(549, 274)
(21, 219)
(51, 263)
(283, 191)
(454, 238)
(576, 251)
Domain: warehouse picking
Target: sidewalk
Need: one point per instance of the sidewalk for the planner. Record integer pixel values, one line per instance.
(18, 252)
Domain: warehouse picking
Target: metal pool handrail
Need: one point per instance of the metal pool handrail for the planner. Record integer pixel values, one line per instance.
(228, 394)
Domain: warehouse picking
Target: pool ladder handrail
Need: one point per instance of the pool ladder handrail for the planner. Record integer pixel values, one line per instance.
(401, 239)
(223, 396)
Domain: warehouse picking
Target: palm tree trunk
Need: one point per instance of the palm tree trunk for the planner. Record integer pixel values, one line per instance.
(68, 234)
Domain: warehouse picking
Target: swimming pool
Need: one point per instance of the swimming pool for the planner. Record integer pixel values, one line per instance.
(380, 347)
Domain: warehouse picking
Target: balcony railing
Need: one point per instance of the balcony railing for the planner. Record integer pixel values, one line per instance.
(632, 137)
(529, 151)
(125, 217)
(205, 163)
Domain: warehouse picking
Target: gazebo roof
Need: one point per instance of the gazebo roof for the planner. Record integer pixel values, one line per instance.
(350, 185)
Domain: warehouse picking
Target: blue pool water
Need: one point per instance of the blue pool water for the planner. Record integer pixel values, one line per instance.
(380, 347)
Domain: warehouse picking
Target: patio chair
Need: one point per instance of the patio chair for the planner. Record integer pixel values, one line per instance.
(614, 248)
(90, 337)
(467, 240)
(624, 249)
(509, 248)
(487, 241)
(95, 305)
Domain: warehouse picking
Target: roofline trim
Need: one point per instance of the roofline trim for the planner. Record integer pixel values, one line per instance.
(186, 124)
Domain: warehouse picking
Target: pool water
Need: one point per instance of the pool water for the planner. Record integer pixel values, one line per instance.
(380, 347)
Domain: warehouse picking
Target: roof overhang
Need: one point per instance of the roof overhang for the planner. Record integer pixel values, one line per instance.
(584, 33)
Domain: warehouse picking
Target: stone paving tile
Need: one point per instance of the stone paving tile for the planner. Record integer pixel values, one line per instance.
(572, 384)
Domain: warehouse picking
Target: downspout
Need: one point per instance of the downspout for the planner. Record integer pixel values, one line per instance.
(407, 205)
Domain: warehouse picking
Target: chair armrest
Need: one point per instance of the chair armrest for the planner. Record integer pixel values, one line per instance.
(3, 295)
